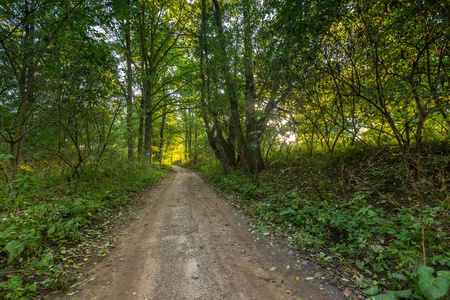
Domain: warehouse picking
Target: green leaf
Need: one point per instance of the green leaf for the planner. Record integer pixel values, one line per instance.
(360, 264)
(32, 288)
(51, 230)
(14, 248)
(5, 156)
(443, 273)
(399, 276)
(384, 297)
(272, 269)
(401, 294)
(309, 278)
(372, 291)
(393, 295)
(376, 267)
(417, 226)
(371, 213)
(433, 287)
(287, 211)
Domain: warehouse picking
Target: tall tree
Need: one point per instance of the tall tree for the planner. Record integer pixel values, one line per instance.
(129, 95)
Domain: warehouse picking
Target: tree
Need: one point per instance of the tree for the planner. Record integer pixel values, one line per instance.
(160, 26)
(30, 29)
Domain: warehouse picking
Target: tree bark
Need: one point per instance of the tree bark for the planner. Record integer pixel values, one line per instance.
(231, 88)
(161, 138)
(141, 131)
(253, 135)
(222, 150)
(129, 97)
(148, 123)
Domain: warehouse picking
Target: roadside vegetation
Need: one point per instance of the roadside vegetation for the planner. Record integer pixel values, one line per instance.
(353, 210)
(49, 227)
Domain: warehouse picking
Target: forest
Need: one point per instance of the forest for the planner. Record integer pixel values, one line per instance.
(326, 122)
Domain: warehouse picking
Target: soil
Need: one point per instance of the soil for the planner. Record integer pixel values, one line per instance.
(187, 242)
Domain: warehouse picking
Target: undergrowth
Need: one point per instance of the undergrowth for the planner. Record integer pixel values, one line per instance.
(354, 209)
(45, 221)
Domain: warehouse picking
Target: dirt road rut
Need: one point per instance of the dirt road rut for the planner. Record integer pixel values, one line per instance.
(188, 243)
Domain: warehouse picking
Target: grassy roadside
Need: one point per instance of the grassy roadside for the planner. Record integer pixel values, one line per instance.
(355, 211)
(49, 228)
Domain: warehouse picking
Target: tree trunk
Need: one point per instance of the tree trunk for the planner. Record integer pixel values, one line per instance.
(17, 141)
(141, 131)
(231, 88)
(186, 137)
(189, 133)
(222, 150)
(130, 140)
(161, 137)
(253, 135)
(148, 128)
(195, 145)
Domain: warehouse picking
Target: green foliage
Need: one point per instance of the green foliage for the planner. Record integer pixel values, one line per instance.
(36, 239)
(14, 288)
(14, 249)
(428, 286)
(353, 208)
(432, 287)
(393, 295)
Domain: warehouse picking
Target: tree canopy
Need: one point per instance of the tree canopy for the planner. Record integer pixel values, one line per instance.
(245, 83)
(258, 75)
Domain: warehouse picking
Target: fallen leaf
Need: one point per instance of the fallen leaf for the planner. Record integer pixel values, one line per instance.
(347, 293)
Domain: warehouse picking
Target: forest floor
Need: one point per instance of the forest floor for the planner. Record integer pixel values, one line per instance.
(186, 242)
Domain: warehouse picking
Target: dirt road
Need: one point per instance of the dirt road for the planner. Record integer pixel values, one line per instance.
(188, 243)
